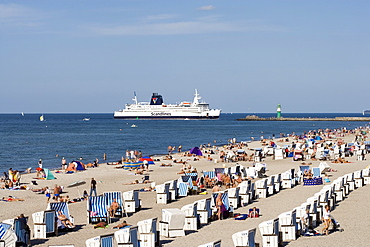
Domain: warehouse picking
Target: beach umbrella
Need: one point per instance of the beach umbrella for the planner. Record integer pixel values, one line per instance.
(76, 184)
(148, 159)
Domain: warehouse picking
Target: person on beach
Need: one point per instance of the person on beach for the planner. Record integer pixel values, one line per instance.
(24, 229)
(93, 187)
(47, 194)
(39, 169)
(11, 199)
(326, 219)
(121, 225)
(65, 221)
(64, 164)
(216, 188)
(253, 213)
(219, 205)
(113, 208)
(56, 192)
(146, 165)
(101, 224)
(85, 195)
(11, 174)
(305, 220)
(17, 178)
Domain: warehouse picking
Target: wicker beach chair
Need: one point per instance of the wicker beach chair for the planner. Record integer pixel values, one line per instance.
(7, 235)
(110, 196)
(97, 209)
(101, 241)
(183, 189)
(60, 207)
(245, 238)
(147, 233)
(127, 237)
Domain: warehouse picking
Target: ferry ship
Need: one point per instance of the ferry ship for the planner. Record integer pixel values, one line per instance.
(157, 109)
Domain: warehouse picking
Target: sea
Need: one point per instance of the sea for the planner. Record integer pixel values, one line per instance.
(25, 139)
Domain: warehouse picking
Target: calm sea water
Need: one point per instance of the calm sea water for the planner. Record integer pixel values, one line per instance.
(25, 140)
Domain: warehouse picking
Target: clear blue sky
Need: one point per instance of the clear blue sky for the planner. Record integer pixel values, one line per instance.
(242, 56)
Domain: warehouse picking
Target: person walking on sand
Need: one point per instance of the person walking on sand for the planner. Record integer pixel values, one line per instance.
(64, 164)
(93, 187)
(56, 192)
(326, 219)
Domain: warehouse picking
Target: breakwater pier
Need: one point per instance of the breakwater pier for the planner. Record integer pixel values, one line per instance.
(256, 118)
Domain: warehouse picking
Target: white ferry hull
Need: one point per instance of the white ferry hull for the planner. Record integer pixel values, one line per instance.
(156, 114)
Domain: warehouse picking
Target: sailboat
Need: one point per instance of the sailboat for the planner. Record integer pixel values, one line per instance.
(42, 118)
(22, 114)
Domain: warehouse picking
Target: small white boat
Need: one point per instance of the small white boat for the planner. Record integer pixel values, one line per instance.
(86, 119)
(22, 114)
(133, 126)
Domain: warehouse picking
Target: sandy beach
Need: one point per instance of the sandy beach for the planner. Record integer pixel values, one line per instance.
(351, 213)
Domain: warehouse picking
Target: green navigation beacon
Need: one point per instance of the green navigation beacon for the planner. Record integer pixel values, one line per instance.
(278, 111)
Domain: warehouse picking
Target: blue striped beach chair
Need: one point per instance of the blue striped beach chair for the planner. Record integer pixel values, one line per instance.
(97, 209)
(183, 188)
(316, 172)
(118, 196)
(218, 172)
(60, 207)
(188, 180)
(211, 174)
(193, 175)
(3, 229)
(7, 235)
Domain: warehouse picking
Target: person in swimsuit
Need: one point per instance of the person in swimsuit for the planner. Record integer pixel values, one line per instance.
(219, 205)
(113, 208)
(326, 219)
(65, 221)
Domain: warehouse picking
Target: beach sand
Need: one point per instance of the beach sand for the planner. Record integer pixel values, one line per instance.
(351, 213)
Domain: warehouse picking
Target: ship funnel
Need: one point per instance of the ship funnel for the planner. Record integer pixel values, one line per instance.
(156, 99)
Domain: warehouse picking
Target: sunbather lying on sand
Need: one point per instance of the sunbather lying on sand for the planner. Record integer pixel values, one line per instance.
(101, 224)
(123, 224)
(11, 199)
(340, 160)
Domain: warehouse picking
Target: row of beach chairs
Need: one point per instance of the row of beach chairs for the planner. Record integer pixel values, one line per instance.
(288, 226)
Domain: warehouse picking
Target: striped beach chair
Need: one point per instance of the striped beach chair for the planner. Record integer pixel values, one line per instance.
(60, 207)
(7, 235)
(110, 196)
(183, 188)
(219, 172)
(211, 174)
(193, 175)
(186, 179)
(316, 172)
(97, 209)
